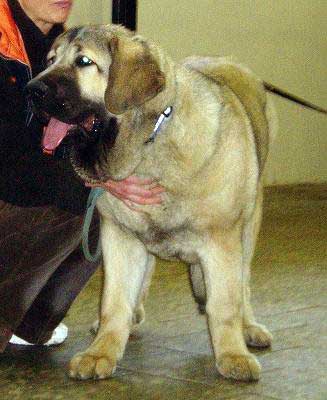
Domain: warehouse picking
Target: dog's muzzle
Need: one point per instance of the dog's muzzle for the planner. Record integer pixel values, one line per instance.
(68, 119)
(37, 91)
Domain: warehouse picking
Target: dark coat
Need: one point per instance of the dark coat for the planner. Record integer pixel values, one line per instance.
(27, 177)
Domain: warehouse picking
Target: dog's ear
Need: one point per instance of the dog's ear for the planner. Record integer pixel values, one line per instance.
(134, 75)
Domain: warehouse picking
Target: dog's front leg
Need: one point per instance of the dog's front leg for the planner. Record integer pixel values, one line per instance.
(222, 268)
(125, 262)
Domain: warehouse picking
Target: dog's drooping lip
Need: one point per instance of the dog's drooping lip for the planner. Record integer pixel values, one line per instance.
(56, 131)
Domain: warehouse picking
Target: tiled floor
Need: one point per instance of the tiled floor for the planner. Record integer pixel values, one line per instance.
(171, 357)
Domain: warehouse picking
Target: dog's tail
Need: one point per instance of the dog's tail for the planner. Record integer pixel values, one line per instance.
(280, 92)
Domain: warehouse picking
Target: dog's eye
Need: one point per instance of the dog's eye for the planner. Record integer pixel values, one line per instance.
(83, 61)
(51, 60)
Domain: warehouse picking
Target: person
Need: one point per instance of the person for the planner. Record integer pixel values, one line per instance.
(42, 202)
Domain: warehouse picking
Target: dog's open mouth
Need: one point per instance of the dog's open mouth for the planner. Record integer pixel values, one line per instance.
(57, 131)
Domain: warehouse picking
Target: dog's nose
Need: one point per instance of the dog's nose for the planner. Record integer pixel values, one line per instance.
(36, 91)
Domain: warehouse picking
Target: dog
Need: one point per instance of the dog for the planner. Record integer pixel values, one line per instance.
(202, 129)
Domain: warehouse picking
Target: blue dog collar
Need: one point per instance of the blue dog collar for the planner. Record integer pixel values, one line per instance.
(91, 203)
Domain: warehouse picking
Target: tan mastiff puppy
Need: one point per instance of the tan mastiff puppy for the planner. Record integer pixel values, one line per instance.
(201, 129)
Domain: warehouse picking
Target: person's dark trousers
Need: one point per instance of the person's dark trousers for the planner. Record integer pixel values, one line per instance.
(42, 269)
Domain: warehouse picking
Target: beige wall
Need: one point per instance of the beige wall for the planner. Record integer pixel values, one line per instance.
(283, 41)
(90, 12)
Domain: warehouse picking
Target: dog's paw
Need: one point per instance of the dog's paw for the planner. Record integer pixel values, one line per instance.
(91, 366)
(241, 367)
(257, 335)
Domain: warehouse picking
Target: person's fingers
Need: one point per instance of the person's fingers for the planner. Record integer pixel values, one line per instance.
(128, 186)
(143, 191)
(145, 201)
(143, 197)
(133, 179)
(139, 181)
(134, 190)
(137, 199)
(129, 190)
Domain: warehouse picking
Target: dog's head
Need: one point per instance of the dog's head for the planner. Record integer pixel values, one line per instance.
(95, 75)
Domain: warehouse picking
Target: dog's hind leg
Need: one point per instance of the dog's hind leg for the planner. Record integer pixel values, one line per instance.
(256, 335)
(125, 262)
(198, 286)
(139, 312)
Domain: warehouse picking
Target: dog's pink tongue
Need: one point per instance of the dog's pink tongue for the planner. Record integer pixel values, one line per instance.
(53, 134)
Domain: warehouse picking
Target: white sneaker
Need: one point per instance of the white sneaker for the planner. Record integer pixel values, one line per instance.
(59, 335)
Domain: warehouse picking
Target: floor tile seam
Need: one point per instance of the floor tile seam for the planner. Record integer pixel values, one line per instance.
(305, 347)
(165, 348)
(173, 320)
(258, 350)
(288, 328)
(293, 311)
(166, 376)
(156, 338)
(264, 397)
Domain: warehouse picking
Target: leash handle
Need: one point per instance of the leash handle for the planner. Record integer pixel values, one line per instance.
(91, 203)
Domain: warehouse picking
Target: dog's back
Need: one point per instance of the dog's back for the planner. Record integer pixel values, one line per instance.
(248, 89)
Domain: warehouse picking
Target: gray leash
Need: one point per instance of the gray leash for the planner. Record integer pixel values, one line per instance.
(91, 203)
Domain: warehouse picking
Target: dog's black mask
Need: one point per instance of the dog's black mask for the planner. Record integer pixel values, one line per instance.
(56, 97)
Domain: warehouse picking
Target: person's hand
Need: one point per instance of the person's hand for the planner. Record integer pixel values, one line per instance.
(133, 190)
